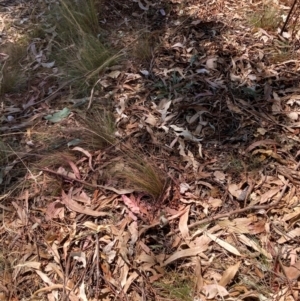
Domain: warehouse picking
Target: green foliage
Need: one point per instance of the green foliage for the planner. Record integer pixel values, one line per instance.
(75, 18)
(78, 49)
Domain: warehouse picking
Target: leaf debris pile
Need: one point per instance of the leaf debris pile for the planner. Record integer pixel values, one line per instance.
(175, 177)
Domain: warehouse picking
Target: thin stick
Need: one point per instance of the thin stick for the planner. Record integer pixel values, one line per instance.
(97, 267)
(117, 191)
(249, 208)
(288, 17)
(287, 279)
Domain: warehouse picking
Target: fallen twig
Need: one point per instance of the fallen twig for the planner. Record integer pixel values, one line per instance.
(117, 191)
(249, 208)
(288, 17)
(287, 279)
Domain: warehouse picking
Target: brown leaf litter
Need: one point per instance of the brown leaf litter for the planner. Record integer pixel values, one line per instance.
(198, 177)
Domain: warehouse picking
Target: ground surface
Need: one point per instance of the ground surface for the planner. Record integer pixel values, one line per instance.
(205, 101)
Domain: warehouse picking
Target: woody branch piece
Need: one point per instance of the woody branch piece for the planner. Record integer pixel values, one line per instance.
(288, 17)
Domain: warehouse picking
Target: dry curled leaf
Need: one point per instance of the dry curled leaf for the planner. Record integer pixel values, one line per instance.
(213, 290)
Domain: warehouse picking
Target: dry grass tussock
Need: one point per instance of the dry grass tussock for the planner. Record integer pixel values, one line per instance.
(55, 159)
(98, 129)
(266, 17)
(143, 48)
(142, 174)
(175, 286)
(7, 156)
(3, 153)
(79, 48)
(3, 159)
(281, 51)
(12, 77)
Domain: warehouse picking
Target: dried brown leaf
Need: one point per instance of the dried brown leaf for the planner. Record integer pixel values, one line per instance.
(229, 274)
(261, 143)
(213, 290)
(269, 195)
(131, 204)
(293, 272)
(130, 280)
(289, 236)
(198, 274)
(184, 253)
(236, 191)
(133, 229)
(238, 225)
(72, 205)
(224, 244)
(96, 228)
(86, 153)
(54, 210)
(183, 227)
(251, 243)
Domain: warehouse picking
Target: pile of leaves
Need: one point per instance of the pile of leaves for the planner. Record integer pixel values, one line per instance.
(166, 168)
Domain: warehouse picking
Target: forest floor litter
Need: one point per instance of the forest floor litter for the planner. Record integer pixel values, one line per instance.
(149, 150)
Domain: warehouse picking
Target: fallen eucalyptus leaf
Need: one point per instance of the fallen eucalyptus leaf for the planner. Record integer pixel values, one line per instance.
(58, 116)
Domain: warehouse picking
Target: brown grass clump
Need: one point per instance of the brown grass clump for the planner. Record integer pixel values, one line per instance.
(3, 159)
(143, 175)
(268, 17)
(99, 129)
(56, 159)
(76, 18)
(280, 52)
(7, 156)
(175, 286)
(143, 48)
